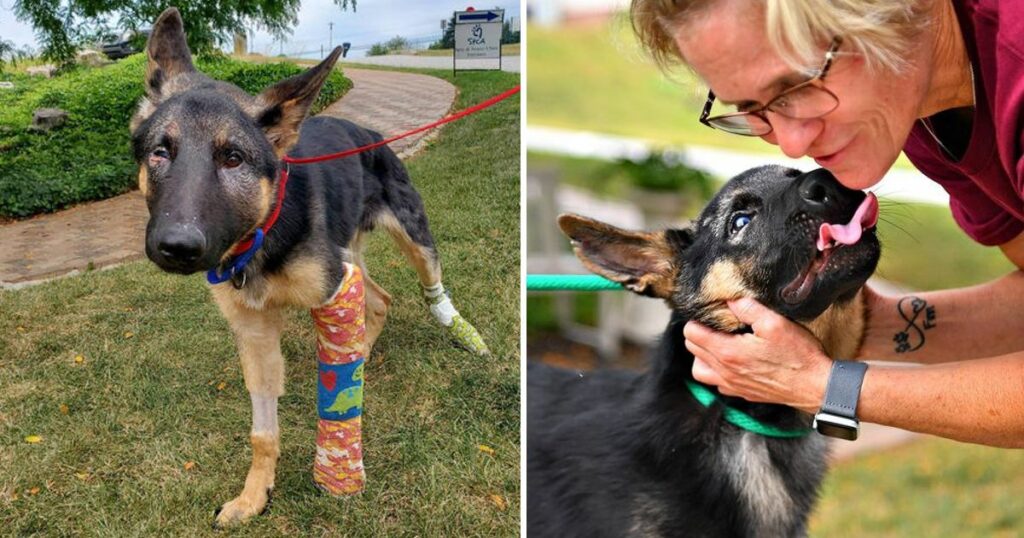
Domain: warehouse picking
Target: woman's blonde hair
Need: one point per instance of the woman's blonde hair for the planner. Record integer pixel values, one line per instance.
(881, 30)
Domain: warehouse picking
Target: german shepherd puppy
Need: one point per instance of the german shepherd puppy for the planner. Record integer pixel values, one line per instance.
(616, 453)
(209, 161)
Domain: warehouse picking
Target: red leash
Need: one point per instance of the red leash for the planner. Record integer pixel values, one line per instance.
(442, 121)
(247, 244)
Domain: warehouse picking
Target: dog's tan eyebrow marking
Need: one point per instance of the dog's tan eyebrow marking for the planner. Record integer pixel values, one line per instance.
(222, 138)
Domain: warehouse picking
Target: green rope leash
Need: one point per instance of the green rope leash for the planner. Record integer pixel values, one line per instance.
(700, 392)
(739, 418)
(570, 283)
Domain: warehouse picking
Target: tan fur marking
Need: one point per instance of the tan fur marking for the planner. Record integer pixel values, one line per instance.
(144, 111)
(723, 282)
(220, 139)
(663, 276)
(301, 283)
(378, 300)
(621, 255)
(265, 199)
(285, 133)
(151, 68)
(424, 260)
(840, 328)
(252, 500)
(258, 335)
(144, 180)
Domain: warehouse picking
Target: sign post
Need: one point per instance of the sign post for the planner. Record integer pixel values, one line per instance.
(478, 36)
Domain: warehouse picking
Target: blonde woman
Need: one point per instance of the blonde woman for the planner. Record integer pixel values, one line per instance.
(851, 83)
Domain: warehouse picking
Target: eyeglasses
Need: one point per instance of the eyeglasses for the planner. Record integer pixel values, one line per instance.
(804, 101)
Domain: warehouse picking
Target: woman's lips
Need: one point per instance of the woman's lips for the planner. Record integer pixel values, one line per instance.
(832, 159)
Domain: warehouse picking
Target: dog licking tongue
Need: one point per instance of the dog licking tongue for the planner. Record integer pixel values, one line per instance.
(864, 218)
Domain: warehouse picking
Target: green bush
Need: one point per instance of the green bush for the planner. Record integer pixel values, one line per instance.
(667, 171)
(89, 158)
(395, 44)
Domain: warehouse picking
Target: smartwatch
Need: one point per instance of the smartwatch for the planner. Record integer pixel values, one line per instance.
(838, 415)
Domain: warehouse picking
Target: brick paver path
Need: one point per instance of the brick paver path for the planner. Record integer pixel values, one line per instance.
(392, 103)
(109, 232)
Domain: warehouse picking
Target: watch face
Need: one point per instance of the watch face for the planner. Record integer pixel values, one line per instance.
(838, 427)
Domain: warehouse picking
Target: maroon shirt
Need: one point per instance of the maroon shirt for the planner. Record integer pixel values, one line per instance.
(986, 187)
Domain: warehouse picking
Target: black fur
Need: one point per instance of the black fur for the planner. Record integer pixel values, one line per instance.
(199, 208)
(355, 189)
(616, 453)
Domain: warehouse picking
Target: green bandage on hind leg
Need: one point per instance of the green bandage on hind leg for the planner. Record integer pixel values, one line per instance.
(444, 312)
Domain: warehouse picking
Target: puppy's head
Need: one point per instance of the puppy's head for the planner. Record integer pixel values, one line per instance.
(208, 152)
(798, 243)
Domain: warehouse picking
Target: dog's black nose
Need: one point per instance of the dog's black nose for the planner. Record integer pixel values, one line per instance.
(819, 188)
(182, 244)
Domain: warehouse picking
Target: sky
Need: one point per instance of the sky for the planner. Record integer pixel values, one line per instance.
(374, 21)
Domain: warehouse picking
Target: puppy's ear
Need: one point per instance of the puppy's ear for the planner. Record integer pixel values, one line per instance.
(644, 262)
(168, 54)
(286, 103)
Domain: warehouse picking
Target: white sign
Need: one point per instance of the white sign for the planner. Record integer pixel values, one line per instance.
(478, 34)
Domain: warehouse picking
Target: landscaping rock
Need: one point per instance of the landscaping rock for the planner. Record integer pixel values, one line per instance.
(42, 70)
(6, 85)
(47, 119)
(92, 58)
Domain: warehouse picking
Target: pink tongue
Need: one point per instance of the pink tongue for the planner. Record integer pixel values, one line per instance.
(848, 234)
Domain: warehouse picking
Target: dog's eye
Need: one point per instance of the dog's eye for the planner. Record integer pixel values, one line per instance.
(159, 155)
(233, 160)
(739, 221)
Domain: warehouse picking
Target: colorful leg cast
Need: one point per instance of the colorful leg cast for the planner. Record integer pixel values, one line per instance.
(341, 349)
(444, 312)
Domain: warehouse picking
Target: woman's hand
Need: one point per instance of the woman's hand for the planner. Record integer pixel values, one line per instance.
(781, 362)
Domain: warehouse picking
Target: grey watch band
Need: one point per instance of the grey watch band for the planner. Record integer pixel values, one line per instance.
(843, 389)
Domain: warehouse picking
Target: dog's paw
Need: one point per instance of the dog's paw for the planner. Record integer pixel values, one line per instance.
(241, 508)
(467, 337)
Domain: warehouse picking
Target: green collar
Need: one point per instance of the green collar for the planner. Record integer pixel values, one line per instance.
(741, 419)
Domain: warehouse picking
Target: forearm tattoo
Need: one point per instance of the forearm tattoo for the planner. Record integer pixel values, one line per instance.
(920, 317)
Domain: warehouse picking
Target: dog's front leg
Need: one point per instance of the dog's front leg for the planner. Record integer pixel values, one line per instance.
(258, 335)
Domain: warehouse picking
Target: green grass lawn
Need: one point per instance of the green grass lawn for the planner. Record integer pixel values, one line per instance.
(159, 384)
(924, 249)
(934, 488)
(595, 77)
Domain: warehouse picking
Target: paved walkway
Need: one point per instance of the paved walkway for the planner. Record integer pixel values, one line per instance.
(106, 233)
(392, 103)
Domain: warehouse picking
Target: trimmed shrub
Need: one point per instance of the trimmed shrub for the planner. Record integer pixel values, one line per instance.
(90, 158)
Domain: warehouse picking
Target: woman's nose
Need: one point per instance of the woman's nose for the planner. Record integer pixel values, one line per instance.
(793, 136)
